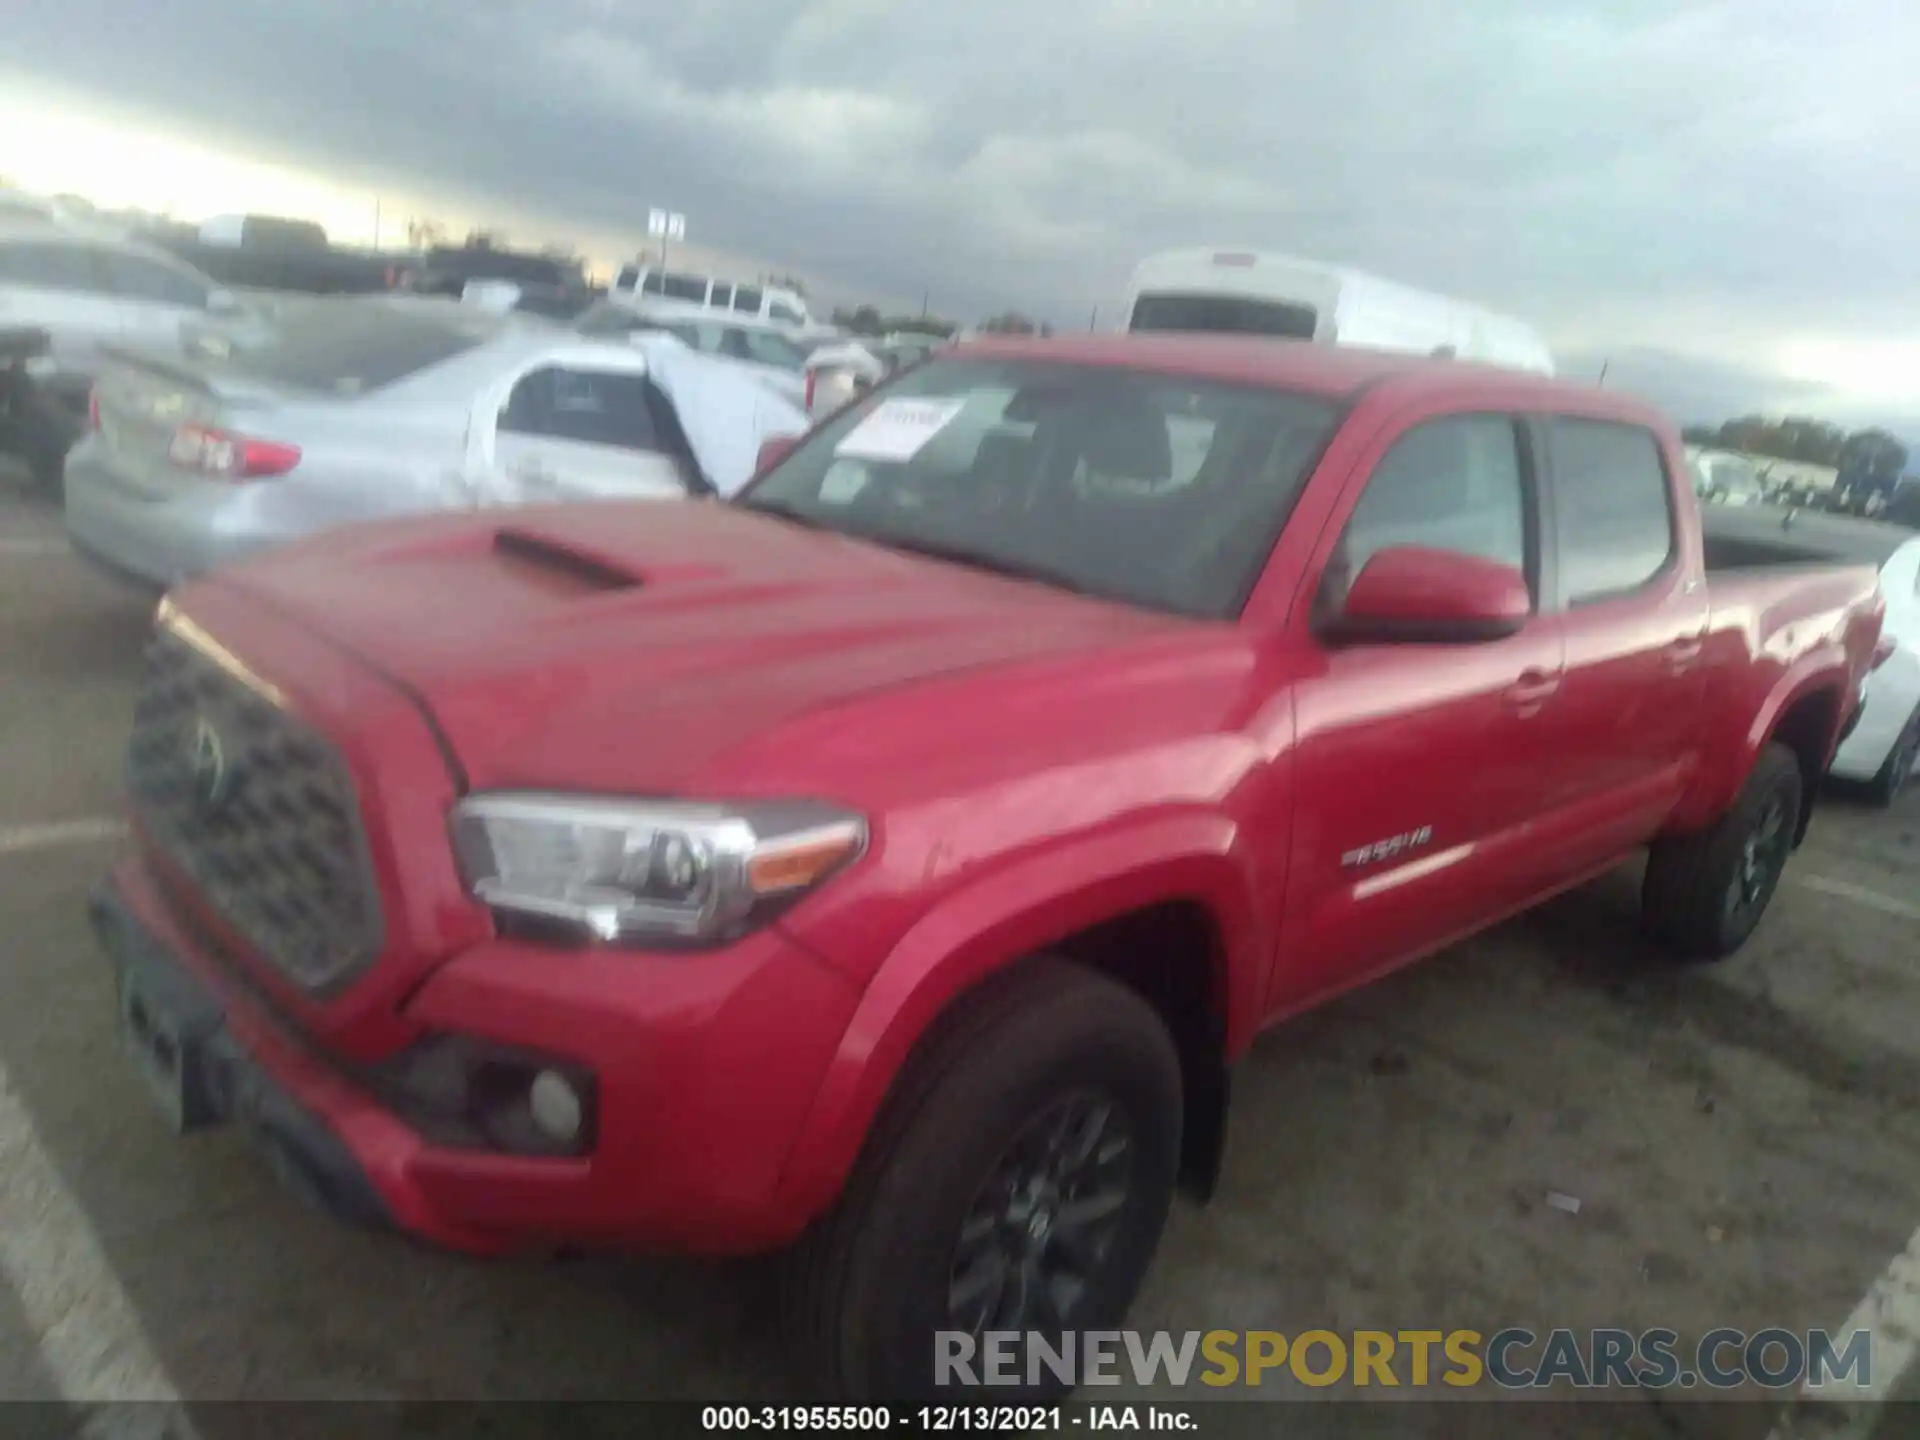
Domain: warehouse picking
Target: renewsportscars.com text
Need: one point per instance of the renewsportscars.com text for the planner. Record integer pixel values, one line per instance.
(1512, 1359)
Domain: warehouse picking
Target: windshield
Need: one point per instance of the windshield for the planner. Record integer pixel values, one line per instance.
(1148, 489)
(1223, 315)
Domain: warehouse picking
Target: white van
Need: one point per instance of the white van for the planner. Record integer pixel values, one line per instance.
(1248, 292)
(769, 302)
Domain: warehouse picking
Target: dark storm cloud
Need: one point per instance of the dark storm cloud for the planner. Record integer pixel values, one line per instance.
(1707, 177)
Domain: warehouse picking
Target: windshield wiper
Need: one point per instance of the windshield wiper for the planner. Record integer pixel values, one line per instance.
(998, 565)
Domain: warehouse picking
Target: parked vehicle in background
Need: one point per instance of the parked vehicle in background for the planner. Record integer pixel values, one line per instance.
(1726, 478)
(1883, 749)
(25, 359)
(1250, 292)
(271, 252)
(364, 409)
(839, 371)
(774, 303)
(900, 351)
(21, 207)
(761, 348)
(88, 291)
(550, 302)
(894, 861)
(553, 282)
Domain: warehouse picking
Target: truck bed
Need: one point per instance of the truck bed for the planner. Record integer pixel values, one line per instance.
(1765, 537)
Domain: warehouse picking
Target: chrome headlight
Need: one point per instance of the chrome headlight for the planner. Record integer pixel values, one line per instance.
(648, 869)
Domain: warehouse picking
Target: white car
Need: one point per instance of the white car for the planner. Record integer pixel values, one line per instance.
(1883, 751)
(90, 292)
(759, 347)
(357, 410)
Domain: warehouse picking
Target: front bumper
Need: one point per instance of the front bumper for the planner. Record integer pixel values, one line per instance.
(707, 1068)
(221, 1084)
(1879, 722)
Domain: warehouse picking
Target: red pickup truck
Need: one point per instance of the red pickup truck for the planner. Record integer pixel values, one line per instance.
(889, 865)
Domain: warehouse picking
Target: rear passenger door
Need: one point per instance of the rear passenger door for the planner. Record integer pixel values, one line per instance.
(1421, 768)
(577, 426)
(1635, 620)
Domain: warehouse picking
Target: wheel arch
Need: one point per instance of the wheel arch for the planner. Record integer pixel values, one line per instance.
(1111, 905)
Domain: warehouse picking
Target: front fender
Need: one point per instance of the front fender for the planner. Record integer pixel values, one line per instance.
(1004, 917)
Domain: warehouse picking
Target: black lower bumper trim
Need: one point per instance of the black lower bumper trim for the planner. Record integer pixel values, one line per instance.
(218, 1082)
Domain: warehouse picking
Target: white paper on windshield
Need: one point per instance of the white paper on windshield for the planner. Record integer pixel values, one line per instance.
(898, 430)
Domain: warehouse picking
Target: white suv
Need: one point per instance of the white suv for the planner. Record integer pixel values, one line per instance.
(88, 289)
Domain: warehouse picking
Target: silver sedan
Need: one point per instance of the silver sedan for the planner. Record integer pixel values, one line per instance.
(358, 410)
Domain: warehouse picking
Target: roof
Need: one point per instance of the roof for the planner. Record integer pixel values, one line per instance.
(1310, 367)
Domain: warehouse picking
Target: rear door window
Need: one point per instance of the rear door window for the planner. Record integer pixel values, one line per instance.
(685, 287)
(588, 407)
(747, 298)
(1223, 314)
(1614, 516)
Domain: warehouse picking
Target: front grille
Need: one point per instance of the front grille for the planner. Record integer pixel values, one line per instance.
(258, 811)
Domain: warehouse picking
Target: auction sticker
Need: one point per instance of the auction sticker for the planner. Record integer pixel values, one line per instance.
(898, 430)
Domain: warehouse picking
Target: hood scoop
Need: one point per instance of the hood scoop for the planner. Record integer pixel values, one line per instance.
(558, 560)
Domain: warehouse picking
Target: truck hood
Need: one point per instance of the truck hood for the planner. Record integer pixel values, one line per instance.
(629, 645)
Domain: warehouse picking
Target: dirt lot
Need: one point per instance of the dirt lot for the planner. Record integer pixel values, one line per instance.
(1741, 1140)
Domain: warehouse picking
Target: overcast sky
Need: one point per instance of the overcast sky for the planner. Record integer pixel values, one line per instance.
(1723, 181)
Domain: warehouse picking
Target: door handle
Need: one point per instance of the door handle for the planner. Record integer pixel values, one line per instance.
(1532, 690)
(1683, 655)
(530, 470)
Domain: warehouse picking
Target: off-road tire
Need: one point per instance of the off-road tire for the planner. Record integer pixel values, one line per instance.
(866, 1288)
(1684, 898)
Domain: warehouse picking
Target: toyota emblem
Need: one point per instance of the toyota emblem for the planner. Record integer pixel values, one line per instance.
(207, 764)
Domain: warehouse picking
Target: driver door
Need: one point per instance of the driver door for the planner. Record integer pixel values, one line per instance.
(576, 424)
(1422, 769)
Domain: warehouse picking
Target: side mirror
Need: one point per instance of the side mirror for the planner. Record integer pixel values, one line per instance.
(1413, 595)
(773, 451)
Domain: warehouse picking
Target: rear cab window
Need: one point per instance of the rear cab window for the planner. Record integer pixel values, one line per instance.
(1613, 504)
(1224, 315)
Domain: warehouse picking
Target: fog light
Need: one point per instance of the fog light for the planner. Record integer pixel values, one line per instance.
(555, 1106)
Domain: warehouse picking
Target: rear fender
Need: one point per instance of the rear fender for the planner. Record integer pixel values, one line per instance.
(1821, 673)
(1005, 917)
